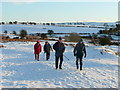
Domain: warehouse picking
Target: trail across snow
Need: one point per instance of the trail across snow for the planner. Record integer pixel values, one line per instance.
(20, 70)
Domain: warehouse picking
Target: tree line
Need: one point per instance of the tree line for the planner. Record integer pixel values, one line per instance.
(111, 30)
(25, 23)
(24, 33)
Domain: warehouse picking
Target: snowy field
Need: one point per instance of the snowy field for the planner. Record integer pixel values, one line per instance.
(20, 70)
(44, 29)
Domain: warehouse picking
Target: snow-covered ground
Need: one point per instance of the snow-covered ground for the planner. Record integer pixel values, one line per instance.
(20, 70)
(44, 29)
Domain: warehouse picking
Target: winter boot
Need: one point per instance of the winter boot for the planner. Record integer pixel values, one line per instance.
(80, 68)
(60, 67)
(77, 64)
(56, 68)
(77, 67)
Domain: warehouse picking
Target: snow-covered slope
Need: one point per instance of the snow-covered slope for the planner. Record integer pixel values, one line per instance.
(44, 29)
(20, 70)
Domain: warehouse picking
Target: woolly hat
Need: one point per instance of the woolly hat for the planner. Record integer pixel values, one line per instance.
(38, 40)
(81, 40)
(60, 38)
(46, 42)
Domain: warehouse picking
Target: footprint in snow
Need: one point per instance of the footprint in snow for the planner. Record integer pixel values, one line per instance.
(22, 85)
(7, 84)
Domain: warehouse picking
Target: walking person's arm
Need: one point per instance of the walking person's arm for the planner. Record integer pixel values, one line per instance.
(55, 46)
(51, 48)
(40, 47)
(63, 48)
(34, 47)
(44, 48)
(75, 50)
(84, 51)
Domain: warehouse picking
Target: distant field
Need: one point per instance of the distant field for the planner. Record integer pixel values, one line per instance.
(44, 29)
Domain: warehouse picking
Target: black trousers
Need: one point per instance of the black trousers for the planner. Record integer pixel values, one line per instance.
(79, 62)
(37, 57)
(47, 55)
(57, 61)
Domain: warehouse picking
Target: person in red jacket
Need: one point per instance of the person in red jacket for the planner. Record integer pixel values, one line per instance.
(37, 50)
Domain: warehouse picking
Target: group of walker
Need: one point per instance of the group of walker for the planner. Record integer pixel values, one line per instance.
(79, 52)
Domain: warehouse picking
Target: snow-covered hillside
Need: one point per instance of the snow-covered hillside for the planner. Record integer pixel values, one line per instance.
(44, 29)
(20, 70)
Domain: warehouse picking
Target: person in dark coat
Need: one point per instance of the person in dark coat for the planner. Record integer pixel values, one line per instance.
(79, 52)
(59, 50)
(47, 48)
(37, 50)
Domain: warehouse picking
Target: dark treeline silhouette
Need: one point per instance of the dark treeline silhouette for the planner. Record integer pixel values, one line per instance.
(25, 23)
(115, 31)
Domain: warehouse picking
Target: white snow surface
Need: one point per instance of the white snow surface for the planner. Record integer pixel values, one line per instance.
(20, 70)
(40, 29)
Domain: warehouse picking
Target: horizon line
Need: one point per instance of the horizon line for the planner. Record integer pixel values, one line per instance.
(59, 22)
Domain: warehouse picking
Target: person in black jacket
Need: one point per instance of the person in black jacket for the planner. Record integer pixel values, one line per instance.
(47, 48)
(79, 51)
(59, 50)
